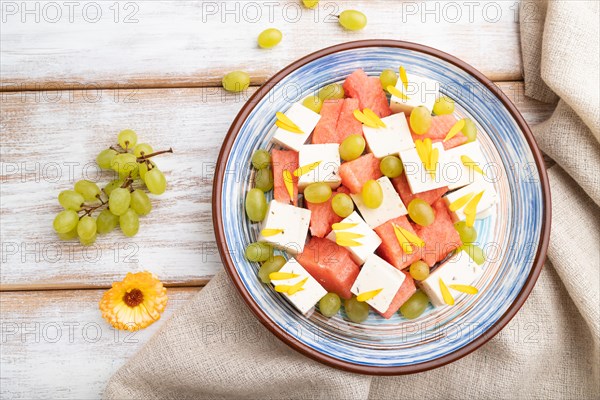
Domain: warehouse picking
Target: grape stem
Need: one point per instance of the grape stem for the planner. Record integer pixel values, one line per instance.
(117, 149)
(90, 209)
(144, 157)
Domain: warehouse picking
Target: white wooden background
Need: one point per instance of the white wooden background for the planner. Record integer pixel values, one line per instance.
(72, 78)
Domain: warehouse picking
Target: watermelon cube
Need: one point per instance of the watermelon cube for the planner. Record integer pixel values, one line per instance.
(284, 160)
(407, 289)
(325, 131)
(368, 91)
(440, 126)
(355, 173)
(331, 265)
(390, 250)
(347, 123)
(322, 215)
(402, 187)
(440, 237)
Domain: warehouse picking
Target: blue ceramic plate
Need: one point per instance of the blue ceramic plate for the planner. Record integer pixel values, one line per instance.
(515, 237)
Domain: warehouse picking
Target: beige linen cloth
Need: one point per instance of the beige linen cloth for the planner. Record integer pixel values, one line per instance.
(213, 347)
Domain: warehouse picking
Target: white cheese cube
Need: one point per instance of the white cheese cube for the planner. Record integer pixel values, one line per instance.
(306, 120)
(391, 206)
(293, 221)
(417, 176)
(312, 292)
(458, 270)
(392, 139)
(369, 242)
(378, 274)
(327, 171)
(486, 204)
(456, 173)
(420, 91)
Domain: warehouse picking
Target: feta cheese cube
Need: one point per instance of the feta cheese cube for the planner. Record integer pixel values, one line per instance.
(391, 207)
(420, 91)
(458, 270)
(486, 204)
(293, 221)
(392, 139)
(456, 173)
(327, 171)
(312, 292)
(369, 242)
(417, 176)
(306, 120)
(378, 274)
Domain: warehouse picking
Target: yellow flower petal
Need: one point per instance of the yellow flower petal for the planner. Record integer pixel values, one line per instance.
(282, 288)
(288, 181)
(297, 287)
(347, 242)
(306, 169)
(374, 117)
(460, 202)
(285, 120)
(465, 289)
(402, 240)
(471, 208)
(349, 235)
(360, 116)
(470, 220)
(340, 226)
(288, 128)
(411, 237)
(270, 232)
(457, 127)
(403, 77)
(279, 276)
(469, 163)
(366, 296)
(433, 160)
(395, 92)
(446, 295)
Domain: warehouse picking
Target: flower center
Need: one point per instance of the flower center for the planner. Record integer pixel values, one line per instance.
(133, 298)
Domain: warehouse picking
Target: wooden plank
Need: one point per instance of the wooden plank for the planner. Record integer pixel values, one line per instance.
(55, 344)
(193, 43)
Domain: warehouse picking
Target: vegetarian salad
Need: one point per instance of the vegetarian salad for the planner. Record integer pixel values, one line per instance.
(376, 188)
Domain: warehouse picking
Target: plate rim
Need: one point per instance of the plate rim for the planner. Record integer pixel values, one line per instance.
(306, 350)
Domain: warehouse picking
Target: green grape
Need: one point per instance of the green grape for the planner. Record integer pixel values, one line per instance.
(419, 270)
(119, 200)
(420, 120)
(125, 164)
(388, 77)
(269, 38)
(310, 3)
(261, 159)
(331, 91)
(356, 311)
(129, 223)
(87, 242)
(72, 234)
(342, 205)
(70, 200)
(65, 221)
(106, 222)
(421, 212)
(475, 252)
(352, 147)
(353, 20)
(140, 202)
(391, 166)
(142, 149)
(372, 194)
(330, 304)
(88, 189)
(443, 105)
(415, 305)
(104, 159)
(258, 252)
(317, 193)
(143, 168)
(470, 130)
(112, 185)
(86, 229)
(270, 266)
(263, 179)
(236, 81)
(313, 103)
(256, 205)
(468, 234)
(155, 181)
(127, 139)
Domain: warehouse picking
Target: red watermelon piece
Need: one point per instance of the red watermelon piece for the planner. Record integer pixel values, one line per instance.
(401, 185)
(284, 160)
(331, 265)
(368, 91)
(390, 250)
(440, 126)
(407, 289)
(348, 124)
(440, 237)
(355, 173)
(325, 131)
(322, 215)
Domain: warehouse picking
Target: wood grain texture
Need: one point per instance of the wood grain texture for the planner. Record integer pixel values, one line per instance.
(142, 43)
(50, 144)
(55, 344)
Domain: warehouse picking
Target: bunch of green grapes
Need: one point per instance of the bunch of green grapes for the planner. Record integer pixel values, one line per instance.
(121, 201)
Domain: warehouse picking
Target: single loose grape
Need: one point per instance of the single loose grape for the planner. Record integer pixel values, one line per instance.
(470, 130)
(105, 157)
(261, 159)
(342, 205)
(119, 201)
(155, 181)
(388, 77)
(129, 223)
(270, 266)
(419, 270)
(353, 20)
(86, 229)
(421, 212)
(330, 304)
(372, 194)
(331, 91)
(142, 149)
(356, 311)
(88, 189)
(391, 166)
(475, 252)
(256, 205)
(112, 185)
(106, 222)
(87, 242)
(258, 252)
(263, 179)
(70, 200)
(269, 38)
(314, 103)
(65, 221)
(420, 120)
(236, 81)
(72, 234)
(127, 139)
(125, 164)
(317, 193)
(140, 202)
(352, 147)
(467, 234)
(310, 3)
(443, 105)
(415, 305)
